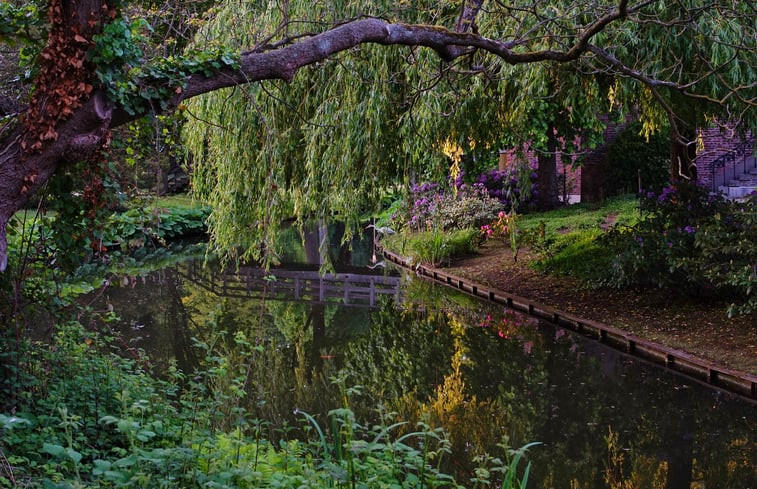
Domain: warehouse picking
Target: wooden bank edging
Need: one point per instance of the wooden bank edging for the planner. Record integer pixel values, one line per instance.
(679, 361)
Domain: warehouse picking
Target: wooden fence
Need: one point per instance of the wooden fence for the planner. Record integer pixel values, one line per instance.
(348, 289)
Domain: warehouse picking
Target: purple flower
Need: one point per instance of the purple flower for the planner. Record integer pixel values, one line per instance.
(665, 193)
(689, 229)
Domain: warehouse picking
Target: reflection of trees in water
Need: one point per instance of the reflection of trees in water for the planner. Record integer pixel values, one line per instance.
(529, 386)
(480, 378)
(155, 318)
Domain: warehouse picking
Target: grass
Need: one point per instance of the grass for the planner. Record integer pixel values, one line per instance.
(620, 210)
(177, 201)
(566, 240)
(434, 247)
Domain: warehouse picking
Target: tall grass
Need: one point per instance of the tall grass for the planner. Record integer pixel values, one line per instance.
(435, 247)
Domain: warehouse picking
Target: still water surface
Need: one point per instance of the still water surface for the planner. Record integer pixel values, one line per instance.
(481, 372)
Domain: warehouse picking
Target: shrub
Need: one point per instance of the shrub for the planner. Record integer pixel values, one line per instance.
(693, 241)
(470, 208)
(135, 227)
(430, 208)
(512, 188)
(505, 228)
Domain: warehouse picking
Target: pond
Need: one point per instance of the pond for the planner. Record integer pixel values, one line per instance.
(427, 353)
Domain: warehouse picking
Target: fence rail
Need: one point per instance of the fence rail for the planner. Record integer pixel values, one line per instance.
(348, 289)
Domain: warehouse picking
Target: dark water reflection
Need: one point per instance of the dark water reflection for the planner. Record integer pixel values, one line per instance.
(480, 372)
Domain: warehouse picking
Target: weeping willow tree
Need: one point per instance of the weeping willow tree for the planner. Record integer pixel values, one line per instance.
(682, 66)
(373, 89)
(326, 144)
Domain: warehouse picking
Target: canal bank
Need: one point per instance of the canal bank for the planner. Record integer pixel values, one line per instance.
(693, 366)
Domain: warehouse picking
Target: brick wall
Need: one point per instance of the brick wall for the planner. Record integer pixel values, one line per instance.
(569, 178)
(590, 180)
(716, 143)
(594, 183)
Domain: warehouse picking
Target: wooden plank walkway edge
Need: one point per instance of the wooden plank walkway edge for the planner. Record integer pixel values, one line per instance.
(699, 369)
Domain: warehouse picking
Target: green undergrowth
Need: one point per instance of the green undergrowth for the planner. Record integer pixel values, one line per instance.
(143, 227)
(623, 210)
(50, 262)
(578, 254)
(77, 413)
(566, 241)
(435, 247)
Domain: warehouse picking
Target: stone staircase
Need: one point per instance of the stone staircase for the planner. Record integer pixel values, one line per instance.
(741, 179)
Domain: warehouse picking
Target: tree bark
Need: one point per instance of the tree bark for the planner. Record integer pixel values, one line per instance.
(682, 154)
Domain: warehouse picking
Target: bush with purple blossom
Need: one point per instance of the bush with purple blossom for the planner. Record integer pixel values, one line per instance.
(510, 187)
(694, 241)
(429, 207)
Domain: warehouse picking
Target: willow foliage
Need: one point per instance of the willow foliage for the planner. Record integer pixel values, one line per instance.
(328, 143)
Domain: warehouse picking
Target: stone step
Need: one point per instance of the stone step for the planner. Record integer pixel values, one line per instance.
(737, 192)
(742, 183)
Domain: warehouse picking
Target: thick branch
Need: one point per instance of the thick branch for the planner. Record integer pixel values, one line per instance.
(22, 174)
(284, 62)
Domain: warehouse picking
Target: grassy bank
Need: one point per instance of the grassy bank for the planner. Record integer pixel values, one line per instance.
(563, 261)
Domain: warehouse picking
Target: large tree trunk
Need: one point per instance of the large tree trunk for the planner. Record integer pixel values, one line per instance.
(62, 122)
(23, 173)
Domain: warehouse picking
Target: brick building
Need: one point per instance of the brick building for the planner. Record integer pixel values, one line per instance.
(725, 162)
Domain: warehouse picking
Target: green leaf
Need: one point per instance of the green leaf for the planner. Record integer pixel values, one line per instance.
(100, 467)
(74, 455)
(54, 450)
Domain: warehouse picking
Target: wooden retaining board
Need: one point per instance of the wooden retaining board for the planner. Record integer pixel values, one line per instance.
(696, 368)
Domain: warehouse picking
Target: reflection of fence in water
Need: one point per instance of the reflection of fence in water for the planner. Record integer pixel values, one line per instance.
(348, 289)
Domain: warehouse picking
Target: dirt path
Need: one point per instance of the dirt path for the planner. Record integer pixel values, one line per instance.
(699, 327)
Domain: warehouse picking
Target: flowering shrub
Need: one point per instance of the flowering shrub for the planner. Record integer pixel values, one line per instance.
(506, 186)
(423, 201)
(692, 240)
(433, 209)
(471, 208)
(504, 227)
